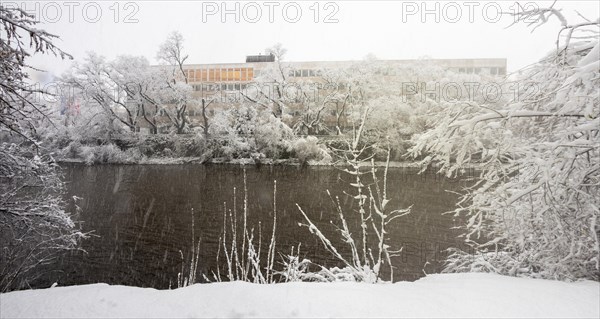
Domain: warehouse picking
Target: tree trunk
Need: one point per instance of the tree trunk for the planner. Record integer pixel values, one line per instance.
(205, 118)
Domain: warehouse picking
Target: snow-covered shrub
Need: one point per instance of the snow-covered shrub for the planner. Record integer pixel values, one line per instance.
(240, 251)
(364, 263)
(308, 148)
(154, 145)
(335, 274)
(273, 137)
(72, 150)
(247, 132)
(189, 266)
(194, 145)
(534, 211)
(167, 152)
(296, 270)
(109, 154)
(35, 226)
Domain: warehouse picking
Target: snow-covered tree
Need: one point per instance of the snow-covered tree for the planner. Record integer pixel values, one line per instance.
(178, 91)
(142, 85)
(102, 82)
(278, 51)
(406, 95)
(534, 210)
(34, 225)
(127, 89)
(268, 90)
(75, 121)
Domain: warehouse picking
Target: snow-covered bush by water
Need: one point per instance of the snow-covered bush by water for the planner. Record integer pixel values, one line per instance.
(109, 153)
(308, 148)
(249, 132)
(35, 226)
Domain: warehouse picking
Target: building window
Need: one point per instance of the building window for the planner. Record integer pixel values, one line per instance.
(298, 73)
(305, 73)
(502, 71)
(311, 73)
(461, 70)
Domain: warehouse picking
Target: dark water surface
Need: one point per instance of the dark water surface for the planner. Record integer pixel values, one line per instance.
(142, 217)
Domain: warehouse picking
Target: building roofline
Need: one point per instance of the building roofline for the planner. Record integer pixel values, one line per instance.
(245, 64)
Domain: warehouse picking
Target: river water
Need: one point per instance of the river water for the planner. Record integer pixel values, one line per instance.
(140, 218)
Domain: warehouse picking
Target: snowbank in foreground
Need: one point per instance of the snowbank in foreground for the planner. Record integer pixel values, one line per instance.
(448, 295)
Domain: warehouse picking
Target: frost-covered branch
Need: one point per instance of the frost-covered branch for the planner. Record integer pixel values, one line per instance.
(533, 210)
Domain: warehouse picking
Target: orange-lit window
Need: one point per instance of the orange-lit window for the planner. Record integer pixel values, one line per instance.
(250, 74)
(204, 75)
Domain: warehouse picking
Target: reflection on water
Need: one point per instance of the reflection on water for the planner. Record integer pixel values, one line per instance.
(142, 217)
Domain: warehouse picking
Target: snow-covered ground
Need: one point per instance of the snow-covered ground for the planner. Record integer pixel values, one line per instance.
(447, 295)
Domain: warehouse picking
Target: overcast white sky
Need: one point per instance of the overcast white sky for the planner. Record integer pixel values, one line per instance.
(388, 29)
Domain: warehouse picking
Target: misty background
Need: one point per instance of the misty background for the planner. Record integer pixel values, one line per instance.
(344, 30)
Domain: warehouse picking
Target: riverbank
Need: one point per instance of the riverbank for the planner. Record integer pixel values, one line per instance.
(263, 162)
(470, 295)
